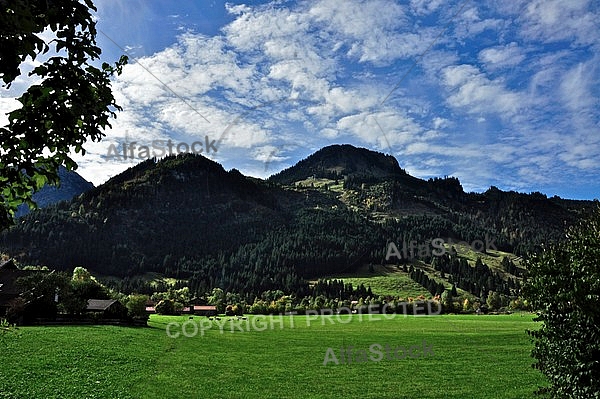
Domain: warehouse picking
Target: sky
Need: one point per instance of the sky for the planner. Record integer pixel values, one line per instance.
(501, 94)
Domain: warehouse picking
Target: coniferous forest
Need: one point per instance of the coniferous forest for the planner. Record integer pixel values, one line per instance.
(187, 218)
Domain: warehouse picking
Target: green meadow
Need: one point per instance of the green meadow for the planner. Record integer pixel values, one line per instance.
(473, 357)
(383, 280)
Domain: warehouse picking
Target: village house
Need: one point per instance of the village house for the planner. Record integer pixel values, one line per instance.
(197, 310)
(204, 310)
(106, 309)
(9, 290)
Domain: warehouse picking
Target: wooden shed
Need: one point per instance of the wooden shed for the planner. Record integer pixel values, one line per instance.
(107, 308)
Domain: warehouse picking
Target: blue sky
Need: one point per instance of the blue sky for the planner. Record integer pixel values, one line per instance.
(494, 93)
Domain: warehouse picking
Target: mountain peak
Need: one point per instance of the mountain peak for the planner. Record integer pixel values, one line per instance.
(342, 160)
(71, 185)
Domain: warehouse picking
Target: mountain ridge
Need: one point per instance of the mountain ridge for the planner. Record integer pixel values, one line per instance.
(71, 184)
(187, 217)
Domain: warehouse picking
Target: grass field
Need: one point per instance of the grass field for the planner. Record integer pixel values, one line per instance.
(473, 357)
(384, 280)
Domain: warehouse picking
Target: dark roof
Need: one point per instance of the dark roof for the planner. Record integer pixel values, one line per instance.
(100, 304)
(8, 283)
(8, 265)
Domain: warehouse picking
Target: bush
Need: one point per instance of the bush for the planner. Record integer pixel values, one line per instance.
(136, 305)
(16, 309)
(238, 309)
(447, 303)
(165, 307)
(467, 305)
(7, 330)
(563, 286)
(517, 304)
(258, 307)
(494, 301)
(229, 311)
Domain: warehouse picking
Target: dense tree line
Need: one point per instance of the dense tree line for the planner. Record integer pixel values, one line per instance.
(336, 289)
(430, 284)
(186, 217)
(478, 279)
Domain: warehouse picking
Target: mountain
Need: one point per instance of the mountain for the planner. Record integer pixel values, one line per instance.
(337, 161)
(374, 184)
(71, 185)
(333, 212)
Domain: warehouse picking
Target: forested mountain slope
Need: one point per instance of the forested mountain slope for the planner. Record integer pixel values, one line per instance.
(338, 209)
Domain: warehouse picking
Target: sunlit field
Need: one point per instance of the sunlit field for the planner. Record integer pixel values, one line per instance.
(278, 357)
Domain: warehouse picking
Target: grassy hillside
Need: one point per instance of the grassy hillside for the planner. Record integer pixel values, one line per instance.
(385, 280)
(391, 280)
(492, 258)
(473, 357)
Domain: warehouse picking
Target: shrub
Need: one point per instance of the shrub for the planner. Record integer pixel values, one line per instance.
(16, 309)
(136, 305)
(229, 311)
(7, 330)
(494, 301)
(563, 286)
(165, 307)
(467, 305)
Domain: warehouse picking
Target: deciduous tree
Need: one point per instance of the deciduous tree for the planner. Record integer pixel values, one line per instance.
(564, 287)
(68, 103)
(136, 305)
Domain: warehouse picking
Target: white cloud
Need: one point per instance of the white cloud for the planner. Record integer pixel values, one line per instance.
(7, 105)
(561, 20)
(579, 87)
(470, 24)
(474, 92)
(371, 31)
(425, 7)
(439, 123)
(383, 130)
(501, 56)
(506, 92)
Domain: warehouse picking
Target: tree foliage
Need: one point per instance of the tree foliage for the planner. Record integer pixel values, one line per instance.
(166, 307)
(187, 218)
(136, 305)
(564, 287)
(46, 293)
(69, 103)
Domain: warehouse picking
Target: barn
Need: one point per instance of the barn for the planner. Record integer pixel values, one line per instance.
(106, 309)
(9, 290)
(204, 310)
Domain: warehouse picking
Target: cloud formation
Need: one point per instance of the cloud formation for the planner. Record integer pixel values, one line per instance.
(496, 94)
